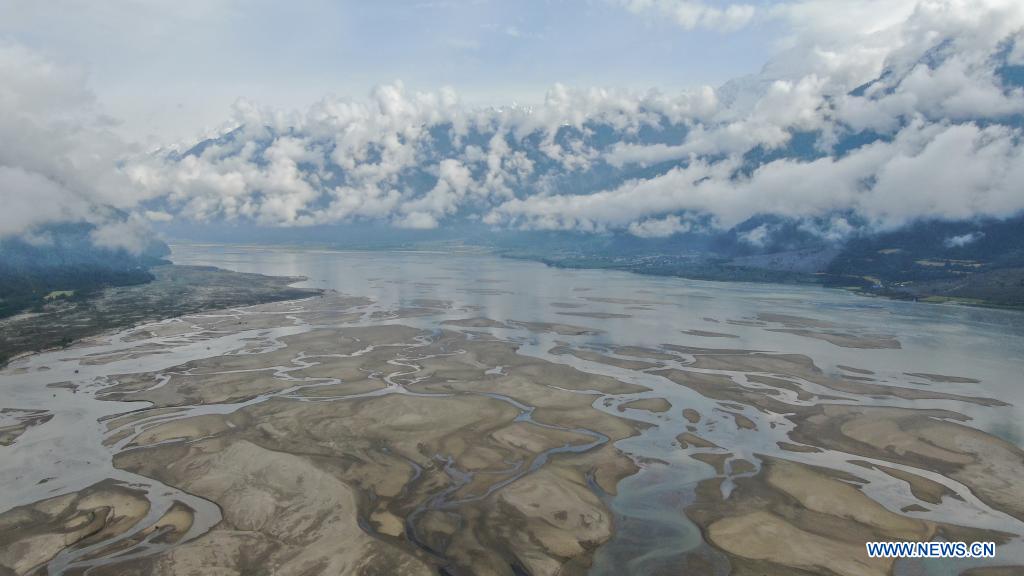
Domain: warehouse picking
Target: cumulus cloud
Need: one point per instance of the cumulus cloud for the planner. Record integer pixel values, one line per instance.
(660, 227)
(921, 76)
(131, 235)
(936, 171)
(757, 236)
(59, 158)
(31, 198)
(834, 229)
(963, 239)
(644, 155)
(872, 112)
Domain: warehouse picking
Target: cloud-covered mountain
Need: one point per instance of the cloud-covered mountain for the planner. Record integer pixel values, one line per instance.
(919, 119)
(872, 116)
(60, 161)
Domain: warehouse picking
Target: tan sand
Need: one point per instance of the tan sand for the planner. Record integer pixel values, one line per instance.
(706, 334)
(844, 339)
(591, 356)
(793, 517)
(924, 489)
(687, 439)
(562, 329)
(30, 536)
(790, 447)
(991, 467)
(14, 423)
(649, 404)
(275, 467)
(943, 378)
(715, 460)
(765, 536)
(475, 323)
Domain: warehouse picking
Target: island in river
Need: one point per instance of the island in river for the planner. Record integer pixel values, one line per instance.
(425, 414)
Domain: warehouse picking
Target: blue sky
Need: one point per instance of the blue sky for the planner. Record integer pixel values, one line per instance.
(169, 69)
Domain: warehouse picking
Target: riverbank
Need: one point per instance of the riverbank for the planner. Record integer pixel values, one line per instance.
(175, 291)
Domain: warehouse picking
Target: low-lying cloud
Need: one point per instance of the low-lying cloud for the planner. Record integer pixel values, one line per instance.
(891, 116)
(59, 158)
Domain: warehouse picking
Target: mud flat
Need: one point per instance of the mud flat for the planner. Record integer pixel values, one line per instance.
(14, 423)
(426, 433)
(845, 340)
(792, 518)
(421, 450)
(943, 378)
(176, 290)
(803, 368)
(826, 331)
(31, 536)
(922, 488)
(555, 327)
(475, 323)
(449, 466)
(707, 334)
(820, 513)
(592, 356)
(991, 467)
(854, 370)
(657, 405)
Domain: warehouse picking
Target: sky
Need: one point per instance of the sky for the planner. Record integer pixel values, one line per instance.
(642, 117)
(169, 70)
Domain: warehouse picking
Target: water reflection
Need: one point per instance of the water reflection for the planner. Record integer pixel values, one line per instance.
(983, 344)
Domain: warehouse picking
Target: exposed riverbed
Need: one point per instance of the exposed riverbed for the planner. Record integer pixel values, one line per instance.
(612, 418)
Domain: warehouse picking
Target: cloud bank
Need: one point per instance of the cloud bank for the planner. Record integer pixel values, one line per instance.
(59, 159)
(872, 114)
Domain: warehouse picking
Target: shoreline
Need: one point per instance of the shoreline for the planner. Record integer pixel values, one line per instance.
(436, 423)
(933, 299)
(472, 250)
(143, 440)
(809, 279)
(176, 290)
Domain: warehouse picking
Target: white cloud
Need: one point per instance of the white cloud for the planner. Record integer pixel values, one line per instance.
(59, 159)
(587, 160)
(453, 183)
(939, 163)
(31, 199)
(963, 240)
(835, 229)
(756, 236)
(1016, 55)
(158, 216)
(928, 170)
(691, 14)
(660, 227)
(644, 155)
(417, 221)
(131, 235)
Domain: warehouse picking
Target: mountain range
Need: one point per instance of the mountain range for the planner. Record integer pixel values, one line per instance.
(891, 164)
